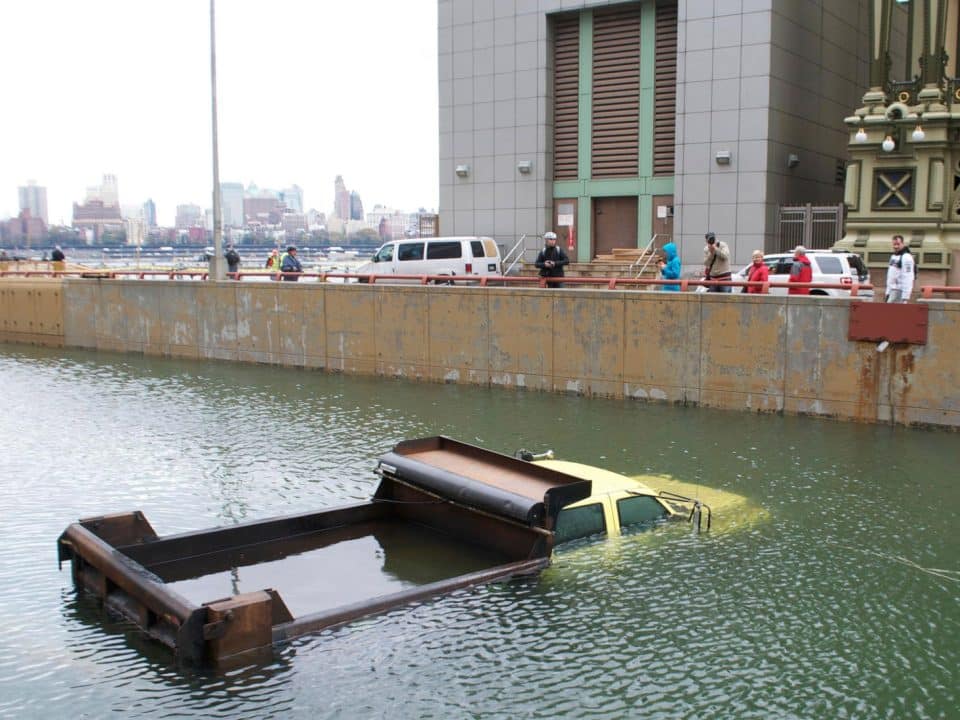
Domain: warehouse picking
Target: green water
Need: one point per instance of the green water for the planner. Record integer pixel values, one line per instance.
(833, 592)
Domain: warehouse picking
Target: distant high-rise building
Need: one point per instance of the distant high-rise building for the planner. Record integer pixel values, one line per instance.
(149, 213)
(390, 223)
(341, 199)
(97, 218)
(136, 230)
(294, 224)
(107, 192)
(189, 216)
(262, 210)
(231, 201)
(33, 197)
(293, 197)
(356, 206)
(24, 229)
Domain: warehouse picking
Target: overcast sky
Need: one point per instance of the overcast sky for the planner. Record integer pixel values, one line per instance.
(307, 90)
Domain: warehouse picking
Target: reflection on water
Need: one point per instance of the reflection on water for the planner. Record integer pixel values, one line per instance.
(331, 569)
(840, 601)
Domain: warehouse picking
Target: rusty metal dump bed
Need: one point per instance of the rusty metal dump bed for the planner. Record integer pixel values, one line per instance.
(445, 515)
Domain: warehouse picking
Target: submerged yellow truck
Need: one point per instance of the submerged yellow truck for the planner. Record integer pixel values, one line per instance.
(445, 515)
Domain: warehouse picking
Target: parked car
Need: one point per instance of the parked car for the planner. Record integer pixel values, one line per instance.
(842, 268)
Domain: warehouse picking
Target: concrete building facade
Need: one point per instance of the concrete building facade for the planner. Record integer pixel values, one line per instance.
(608, 122)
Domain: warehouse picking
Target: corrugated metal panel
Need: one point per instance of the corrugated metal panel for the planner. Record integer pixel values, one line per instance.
(616, 92)
(665, 90)
(566, 88)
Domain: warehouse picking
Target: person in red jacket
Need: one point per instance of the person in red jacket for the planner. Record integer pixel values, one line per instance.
(800, 272)
(758, 272)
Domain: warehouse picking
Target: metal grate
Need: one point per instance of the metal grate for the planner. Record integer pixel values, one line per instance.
(616, 93)
(814, 227)
(665, 90)
(566, 89)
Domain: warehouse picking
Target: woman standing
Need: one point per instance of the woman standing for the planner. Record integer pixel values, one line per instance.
(758, 273)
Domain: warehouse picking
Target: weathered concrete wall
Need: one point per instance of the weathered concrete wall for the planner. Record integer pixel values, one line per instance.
(31, 311)
(726, 351)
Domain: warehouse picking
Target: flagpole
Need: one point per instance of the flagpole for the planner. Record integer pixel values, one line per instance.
(216, 264)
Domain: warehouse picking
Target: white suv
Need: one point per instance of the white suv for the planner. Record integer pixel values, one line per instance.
(843, 268)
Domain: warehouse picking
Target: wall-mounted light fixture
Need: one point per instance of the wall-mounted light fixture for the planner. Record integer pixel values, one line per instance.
(918, 133)
(861, 136)
(525, 166)
(462, 170)
(888, 144)
(722, 157)
(793, 160)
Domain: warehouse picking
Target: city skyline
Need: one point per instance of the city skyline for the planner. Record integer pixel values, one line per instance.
(296, 107)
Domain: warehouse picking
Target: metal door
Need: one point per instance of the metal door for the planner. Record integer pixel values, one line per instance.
(614, 224)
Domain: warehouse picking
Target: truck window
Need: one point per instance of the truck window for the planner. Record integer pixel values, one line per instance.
(476, 246)
(578, 522)
(491, 247)
(385, 254)
(639, 509)
(410, 251)
(444, 250)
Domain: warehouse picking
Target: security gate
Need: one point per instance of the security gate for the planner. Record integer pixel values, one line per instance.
(814, 227)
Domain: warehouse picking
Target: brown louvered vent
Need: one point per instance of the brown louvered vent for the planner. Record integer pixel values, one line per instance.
(665, 90)
(616, 92)
(566, 84)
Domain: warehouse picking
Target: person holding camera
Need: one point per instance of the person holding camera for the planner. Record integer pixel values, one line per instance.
(551, 260)
(716, 262)
(670, 267)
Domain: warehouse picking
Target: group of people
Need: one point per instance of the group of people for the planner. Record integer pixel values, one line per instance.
(288, 264)
(901, 272)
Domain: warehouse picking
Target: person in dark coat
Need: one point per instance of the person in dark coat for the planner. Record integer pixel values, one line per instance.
(290, 265)
(551, 260)
(233, 259)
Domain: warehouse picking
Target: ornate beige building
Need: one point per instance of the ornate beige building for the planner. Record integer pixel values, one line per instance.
(904, 172)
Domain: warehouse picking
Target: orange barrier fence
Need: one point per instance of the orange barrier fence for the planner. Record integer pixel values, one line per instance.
(610, 283)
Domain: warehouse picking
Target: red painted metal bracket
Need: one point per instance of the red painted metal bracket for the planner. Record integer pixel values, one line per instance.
(894, 322)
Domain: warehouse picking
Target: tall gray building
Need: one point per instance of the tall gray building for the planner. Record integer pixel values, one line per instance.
(608, 122)
(33, 197)
(231, 199)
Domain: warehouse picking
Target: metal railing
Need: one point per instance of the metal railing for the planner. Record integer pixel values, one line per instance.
(608, 283)
(647, 256)
(509, 262)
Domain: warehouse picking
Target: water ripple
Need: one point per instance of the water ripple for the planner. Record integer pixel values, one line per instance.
(841, 602)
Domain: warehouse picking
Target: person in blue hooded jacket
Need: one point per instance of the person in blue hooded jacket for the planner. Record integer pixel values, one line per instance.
(670, 268)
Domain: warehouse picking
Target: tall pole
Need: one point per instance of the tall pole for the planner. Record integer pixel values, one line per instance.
(216, 264)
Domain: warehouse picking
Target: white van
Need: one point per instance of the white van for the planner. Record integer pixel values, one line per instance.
(435, 256)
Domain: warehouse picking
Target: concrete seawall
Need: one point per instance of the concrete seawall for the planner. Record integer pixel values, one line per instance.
(756, 353)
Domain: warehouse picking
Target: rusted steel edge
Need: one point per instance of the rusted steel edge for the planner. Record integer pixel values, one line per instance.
(79, 544)
(315, 622)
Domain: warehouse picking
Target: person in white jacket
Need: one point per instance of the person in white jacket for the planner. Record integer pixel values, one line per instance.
(900, 273)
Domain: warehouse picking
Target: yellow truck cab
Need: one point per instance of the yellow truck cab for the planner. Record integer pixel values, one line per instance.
(616, 504)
